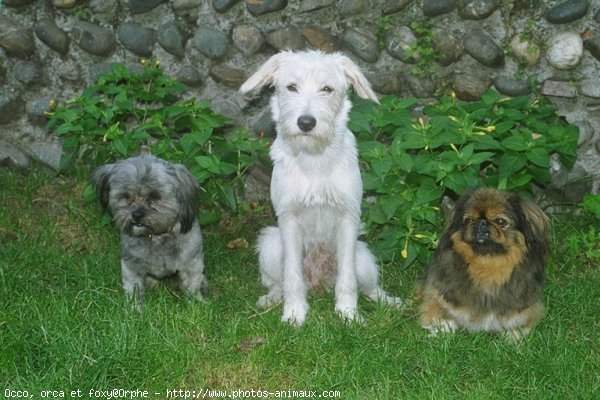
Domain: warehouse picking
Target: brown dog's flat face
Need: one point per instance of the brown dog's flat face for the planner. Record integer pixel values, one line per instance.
(489, 240)
(488, 268)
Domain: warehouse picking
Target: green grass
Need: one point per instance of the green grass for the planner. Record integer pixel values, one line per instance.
(64, 325)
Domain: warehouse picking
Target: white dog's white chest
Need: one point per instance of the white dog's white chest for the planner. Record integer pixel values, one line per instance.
(295, 186)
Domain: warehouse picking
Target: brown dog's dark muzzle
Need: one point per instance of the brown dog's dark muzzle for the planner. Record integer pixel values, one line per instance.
(481, 231)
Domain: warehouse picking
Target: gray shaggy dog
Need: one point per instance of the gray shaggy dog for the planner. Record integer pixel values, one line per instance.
(154, 205)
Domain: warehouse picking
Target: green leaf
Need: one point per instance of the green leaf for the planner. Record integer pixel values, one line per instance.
(227, 168)
(359, 123)
(516, 143)
(425, 164)
(403, 162)
(376, 214)
(64, 129)
(120, 144)
(381, 167)
(70, 143)
(591, 204)
(518, 181)
(122, 102)
(539, 157)
(428, 192)
(490, 97)
(370, 180)
(371, 150)
(461, 181)
(503, 127)
(480, 157)
(486, 142)
(508, 164)
(205, 162)
(201, 137)
(514, 114)
(389, 205)
(414, 140)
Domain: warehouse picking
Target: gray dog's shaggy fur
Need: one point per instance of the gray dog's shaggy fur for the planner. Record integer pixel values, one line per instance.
(154, 204)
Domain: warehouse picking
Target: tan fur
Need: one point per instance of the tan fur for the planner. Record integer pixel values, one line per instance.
(432, 309)
(489, 270)
(436, 314)
(495, 288)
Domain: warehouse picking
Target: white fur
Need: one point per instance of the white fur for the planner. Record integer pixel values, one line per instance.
(316, 188)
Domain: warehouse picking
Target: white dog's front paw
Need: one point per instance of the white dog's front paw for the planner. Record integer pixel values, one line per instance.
(350, 314)
(295, 313)
(394, 301)
(267, 301)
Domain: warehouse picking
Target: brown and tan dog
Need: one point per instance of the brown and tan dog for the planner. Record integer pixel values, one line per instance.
(488, 271)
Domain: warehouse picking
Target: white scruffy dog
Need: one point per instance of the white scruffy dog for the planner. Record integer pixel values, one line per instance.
(316, 188)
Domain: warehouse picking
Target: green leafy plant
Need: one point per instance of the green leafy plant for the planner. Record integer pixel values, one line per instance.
(591, 205)
(383, 26)
(128, 110)
(409, 163)
(423, 50)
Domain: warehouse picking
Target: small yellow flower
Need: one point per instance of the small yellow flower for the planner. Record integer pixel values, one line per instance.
(156, 63)
(404, 252)
(421, 122)
(490, 128)
(420, 236)
(453, 118)
(52, 104)
(143, 61)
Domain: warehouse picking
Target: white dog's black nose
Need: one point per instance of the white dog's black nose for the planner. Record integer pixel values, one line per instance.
(306, 122)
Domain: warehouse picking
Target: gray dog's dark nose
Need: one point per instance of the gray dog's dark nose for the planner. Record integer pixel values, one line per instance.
(138, 214)
(306, 122)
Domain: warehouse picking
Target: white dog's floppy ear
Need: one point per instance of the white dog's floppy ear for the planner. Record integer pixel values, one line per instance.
(100, 178)
(355, 77)
(264, 75)
(188, 196)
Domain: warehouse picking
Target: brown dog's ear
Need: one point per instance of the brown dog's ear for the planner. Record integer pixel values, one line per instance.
(535, 228)
(100, 179)
(537, 219)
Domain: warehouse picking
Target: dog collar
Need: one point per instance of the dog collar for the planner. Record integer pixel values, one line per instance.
(152, 235)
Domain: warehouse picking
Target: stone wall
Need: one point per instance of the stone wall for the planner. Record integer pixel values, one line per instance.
(52, 49)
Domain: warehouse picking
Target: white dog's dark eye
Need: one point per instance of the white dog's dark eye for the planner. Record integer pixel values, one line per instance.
(327, 89)
(292, 87)
(501, 222)
(125, 196)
